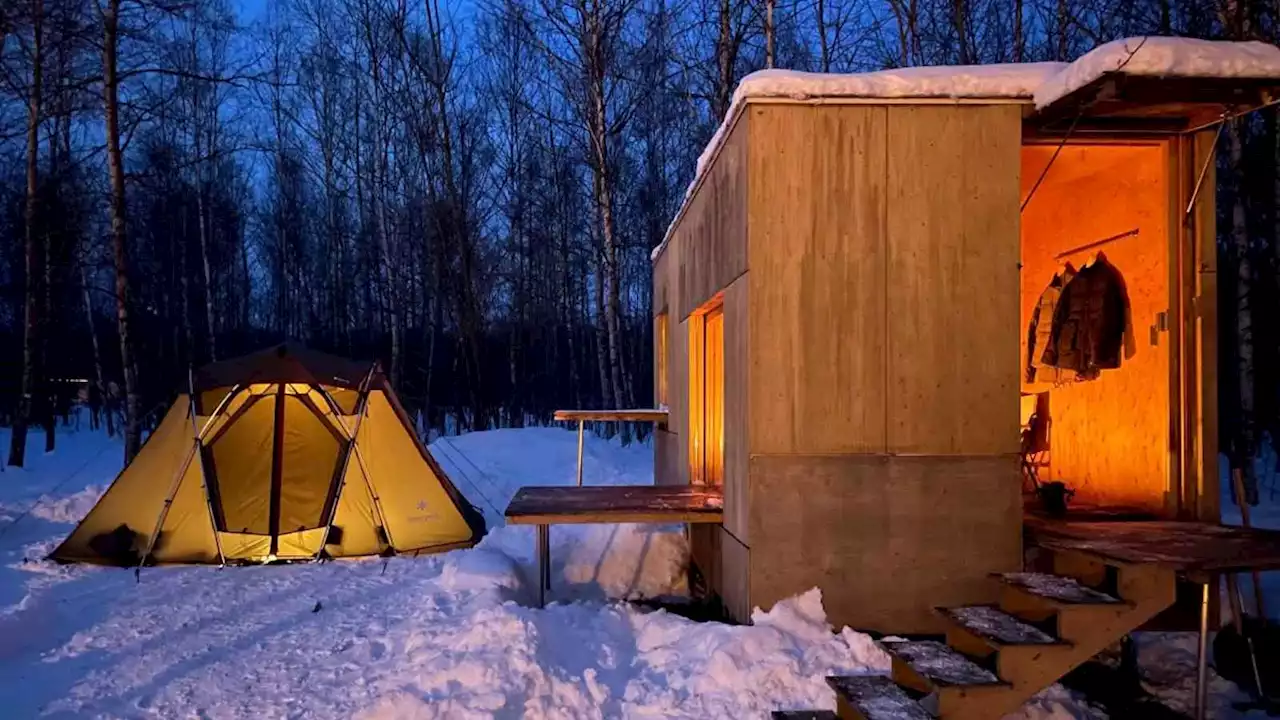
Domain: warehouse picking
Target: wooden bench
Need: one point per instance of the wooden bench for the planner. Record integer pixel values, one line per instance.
(560, 505)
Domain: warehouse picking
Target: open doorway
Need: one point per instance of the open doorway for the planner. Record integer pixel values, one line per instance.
(1095, 305)
(706, 396)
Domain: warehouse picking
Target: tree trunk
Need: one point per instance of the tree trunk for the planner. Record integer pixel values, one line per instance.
(184, 287)
(824, 57)
(1017, 31)
(31, 253)
(99, 379)
(768, 33)
(1242, 457)
(726, 55)
(115, 166)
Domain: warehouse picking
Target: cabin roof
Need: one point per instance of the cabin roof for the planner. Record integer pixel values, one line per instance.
(1046, 85)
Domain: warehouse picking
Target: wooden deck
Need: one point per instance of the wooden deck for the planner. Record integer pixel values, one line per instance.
(615, 504)
(1185, 547)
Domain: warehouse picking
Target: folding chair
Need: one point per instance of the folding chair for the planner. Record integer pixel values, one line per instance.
(1034, 452)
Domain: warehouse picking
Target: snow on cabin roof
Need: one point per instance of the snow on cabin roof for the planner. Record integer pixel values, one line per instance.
(1163, 57)
(1013, 80)
(1043, 83)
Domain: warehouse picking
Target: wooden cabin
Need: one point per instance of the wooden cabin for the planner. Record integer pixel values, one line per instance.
(842, 311)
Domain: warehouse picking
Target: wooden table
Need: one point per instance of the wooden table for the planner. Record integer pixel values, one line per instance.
(546, 506)
(584, 416)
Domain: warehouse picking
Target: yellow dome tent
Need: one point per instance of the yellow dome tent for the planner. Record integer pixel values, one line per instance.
(285, 454)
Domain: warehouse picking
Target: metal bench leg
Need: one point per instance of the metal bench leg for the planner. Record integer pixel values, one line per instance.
(544, 564)
(580, 424)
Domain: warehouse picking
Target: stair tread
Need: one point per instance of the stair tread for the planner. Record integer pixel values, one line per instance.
(804, 715)
(993, 624)
(1058, 588)
(940, 664)
(877, 697)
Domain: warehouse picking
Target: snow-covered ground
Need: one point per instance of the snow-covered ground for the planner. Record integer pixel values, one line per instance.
(449, 636)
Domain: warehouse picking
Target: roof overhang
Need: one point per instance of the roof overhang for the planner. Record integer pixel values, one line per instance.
(1117, 102)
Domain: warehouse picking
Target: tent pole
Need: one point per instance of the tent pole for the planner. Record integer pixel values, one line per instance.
(164, 510)
(204, 479)
(363, 403)
(364, 470)
(373, 494)
(177, 480)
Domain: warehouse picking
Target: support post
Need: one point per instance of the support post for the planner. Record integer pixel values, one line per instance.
(544, 562)
(1202, 667)
(581, 422)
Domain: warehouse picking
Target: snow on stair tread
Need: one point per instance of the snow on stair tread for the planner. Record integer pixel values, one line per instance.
(989, 622)
(1058, 588)
(877, 697)
(939, 663)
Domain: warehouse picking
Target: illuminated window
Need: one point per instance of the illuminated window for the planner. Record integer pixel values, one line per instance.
(660, 358)
(706, 396)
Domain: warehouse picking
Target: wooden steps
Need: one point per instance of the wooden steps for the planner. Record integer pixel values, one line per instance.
(875, 697)
(1057, 589)
(935, 665)
(994, 627)
(996, 656)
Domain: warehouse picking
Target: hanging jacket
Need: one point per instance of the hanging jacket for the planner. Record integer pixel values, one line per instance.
(1090, 322)
(1040, 331)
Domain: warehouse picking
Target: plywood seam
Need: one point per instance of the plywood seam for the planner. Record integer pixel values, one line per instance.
(884, 285)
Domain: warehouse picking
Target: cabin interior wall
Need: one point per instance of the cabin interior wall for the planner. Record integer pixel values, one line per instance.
(1109, 436)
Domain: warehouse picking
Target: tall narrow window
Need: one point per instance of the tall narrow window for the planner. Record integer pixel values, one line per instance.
(660, 358)
(706, 397)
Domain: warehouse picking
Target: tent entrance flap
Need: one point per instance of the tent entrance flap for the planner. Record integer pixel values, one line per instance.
(271, 471)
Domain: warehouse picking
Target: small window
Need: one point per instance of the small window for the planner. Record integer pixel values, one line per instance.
(660, 358)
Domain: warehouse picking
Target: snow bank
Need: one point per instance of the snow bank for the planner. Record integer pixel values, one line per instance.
(69, 509)
(1164, 57)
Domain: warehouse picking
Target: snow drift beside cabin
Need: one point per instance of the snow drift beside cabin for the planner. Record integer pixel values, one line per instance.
(1042, 82)
(1163, 57)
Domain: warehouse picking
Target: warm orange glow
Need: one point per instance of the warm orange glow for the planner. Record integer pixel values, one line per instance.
(660, 357)
(697, 343)
(714, 399)
(1110, 436)
(706, 397)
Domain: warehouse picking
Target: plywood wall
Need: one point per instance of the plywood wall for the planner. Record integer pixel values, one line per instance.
(883, 287)
(883, 255)
(952, 222)
(818, 277)
(713, 230)
(1110, 437)
(737, 344)
(886, 538)
(670, 453)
